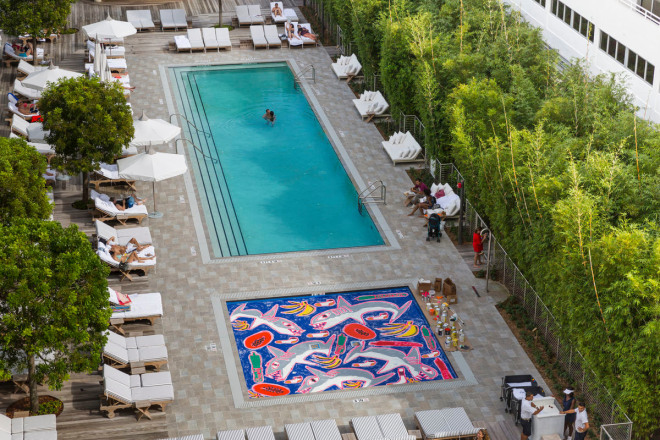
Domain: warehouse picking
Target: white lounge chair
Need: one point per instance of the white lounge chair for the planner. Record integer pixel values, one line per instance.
(10, 56)
(260, 433)
(142, 391)
(144, 307)
(182, 43)
(45, 149)
(447, 200)
(20, 126)
(307, 40)
(167, 19)
(141, 20)
(402, 148)
(125, 269)
(281, 18)
(111, 51)
(122, 236)
(107, 211)
(347, 67)
(258, 37)
(293, 38)
(109, 174)
(13, 104)
(187, 437)
(237, 434)
(196, 41)
(25, 68)
(444, 423)
(222, 35)
(28, 428)
(290, 15)
(243, 15)
(210, 38)
(255, 14)
(135, 353)
(316, 430)
(272, 37)
(180, 18)
(26, 92)
(371, 104)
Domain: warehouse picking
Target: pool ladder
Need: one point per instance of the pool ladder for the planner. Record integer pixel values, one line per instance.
(376, 192)
(297, 78)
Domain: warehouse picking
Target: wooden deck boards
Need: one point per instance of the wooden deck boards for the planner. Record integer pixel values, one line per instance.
(504, 430)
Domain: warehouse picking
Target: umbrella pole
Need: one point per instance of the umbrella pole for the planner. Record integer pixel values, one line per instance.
(154, 213)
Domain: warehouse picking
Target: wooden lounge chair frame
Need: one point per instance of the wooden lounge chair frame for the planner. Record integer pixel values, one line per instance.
(135, 367)
(105, 216)
(104, 180)
(113, 404)
(117, 323)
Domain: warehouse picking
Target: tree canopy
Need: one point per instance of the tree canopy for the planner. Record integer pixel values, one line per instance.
(53, 302)
(89, 123)
(33, 17)
(22, 187)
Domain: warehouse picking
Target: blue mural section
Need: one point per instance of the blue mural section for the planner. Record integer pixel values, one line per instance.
(348, 340)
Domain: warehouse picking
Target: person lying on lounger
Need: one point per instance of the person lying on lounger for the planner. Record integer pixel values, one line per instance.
(304, 32)
(128, 202)
(127, 256)
(130, 246)
(277, 11)
(291, 32)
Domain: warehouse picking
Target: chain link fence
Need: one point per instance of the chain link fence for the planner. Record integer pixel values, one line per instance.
(603, 410)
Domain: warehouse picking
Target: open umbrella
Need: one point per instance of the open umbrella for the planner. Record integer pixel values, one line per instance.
(38, 80)
(153, 131)
(109, 29)
(152, 167)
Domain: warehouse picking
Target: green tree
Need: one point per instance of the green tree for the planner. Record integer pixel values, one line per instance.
(54, 305)
(22, 187)
(33, 17)
(89, 123)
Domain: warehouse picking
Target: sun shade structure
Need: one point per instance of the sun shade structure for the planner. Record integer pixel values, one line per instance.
(153, 131)
(152, 167)
(40, 79)
(109, 29)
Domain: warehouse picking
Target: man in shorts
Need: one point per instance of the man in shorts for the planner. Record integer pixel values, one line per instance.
(581, 420)
(526, 413)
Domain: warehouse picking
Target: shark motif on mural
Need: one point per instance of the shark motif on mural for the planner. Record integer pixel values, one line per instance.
(395, 359)
(346, 311)
(282, 363)
(341, 378)
(280, 325)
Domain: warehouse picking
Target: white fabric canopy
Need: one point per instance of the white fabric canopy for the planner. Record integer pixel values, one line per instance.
(153, 131)
(109, 28)
(38, 80)
(152, 167)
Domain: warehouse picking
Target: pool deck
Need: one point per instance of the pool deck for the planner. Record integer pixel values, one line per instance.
(192, 287)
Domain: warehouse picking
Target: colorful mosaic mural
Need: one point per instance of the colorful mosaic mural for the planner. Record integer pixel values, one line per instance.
(347, 340)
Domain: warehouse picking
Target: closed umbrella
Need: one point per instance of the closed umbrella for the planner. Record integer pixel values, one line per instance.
(153, 131)
(152, 167)
(109, 29)
(39, 80)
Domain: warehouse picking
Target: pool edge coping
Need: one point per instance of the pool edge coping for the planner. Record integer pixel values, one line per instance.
(343, 156)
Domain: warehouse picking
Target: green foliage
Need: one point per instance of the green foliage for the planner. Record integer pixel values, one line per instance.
(23, 189)
(53, 302)
(50, 407)
(89, 123)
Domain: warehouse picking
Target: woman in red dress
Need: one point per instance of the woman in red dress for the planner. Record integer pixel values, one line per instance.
(478, 247)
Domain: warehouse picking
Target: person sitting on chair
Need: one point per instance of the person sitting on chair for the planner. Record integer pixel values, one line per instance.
(425, 203)
(277, 11)
(291, 32)
(304, 32)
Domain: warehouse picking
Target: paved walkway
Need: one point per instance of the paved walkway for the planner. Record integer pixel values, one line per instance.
(190, 288)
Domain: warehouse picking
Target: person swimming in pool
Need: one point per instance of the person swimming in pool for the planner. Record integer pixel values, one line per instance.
(304, 32)
(277, 11)
(271, 118)
(266, 116)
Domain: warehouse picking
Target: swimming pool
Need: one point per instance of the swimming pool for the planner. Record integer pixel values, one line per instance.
(268, 189)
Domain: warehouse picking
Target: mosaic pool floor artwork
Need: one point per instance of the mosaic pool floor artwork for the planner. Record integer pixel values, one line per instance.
(347, 340)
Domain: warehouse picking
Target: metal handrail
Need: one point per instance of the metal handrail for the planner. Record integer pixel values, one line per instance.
(367, 195)
(189, 122)
(641, 10)
(212, 159)
(297, 77)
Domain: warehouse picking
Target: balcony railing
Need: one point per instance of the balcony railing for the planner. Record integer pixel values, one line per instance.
(641, 10)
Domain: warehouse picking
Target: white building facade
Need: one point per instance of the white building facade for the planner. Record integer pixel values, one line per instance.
(613, 35)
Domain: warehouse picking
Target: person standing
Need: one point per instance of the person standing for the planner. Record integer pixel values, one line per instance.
(581, 420)
(477, 246)
(568, 404)
(526, 412)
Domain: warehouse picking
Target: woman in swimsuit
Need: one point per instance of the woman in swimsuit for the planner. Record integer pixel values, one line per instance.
(291, 32)
(304, 32)
(277, 11)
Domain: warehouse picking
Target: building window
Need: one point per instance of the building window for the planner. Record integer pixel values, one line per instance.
(627, 57)
(540, 2)
(652, 6)
(573, 19)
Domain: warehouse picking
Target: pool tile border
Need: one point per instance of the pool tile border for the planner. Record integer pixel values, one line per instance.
(352, 171)
(466, 377)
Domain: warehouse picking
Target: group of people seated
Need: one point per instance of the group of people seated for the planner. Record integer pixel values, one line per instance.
(23, 50)
(129, 253)
(301, 32)
(420, 198)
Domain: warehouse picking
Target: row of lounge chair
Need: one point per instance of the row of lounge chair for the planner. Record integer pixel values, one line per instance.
(265, 36)
(203, 39)
(248, 15)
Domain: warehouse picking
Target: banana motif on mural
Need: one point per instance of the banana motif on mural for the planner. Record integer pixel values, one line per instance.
(403, 330)
(299, 308)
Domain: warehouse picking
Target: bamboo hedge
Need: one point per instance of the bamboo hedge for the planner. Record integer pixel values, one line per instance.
(565, 173)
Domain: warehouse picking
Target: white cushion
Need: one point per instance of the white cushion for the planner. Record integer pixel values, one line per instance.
(17, 436)
(114, 338)
(39, 423)
(149, 341)
(159, 393)
(156, 379)
(448, 189)
(151, 353)
(16, 425)
(40, 435)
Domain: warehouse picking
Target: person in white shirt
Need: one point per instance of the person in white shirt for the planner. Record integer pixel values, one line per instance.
(581, 420)
(526, 412)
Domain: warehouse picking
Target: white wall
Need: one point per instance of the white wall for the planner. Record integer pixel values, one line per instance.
(619, 21)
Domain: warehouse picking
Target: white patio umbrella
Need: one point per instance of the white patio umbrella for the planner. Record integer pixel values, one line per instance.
(39, 80)
(152, 167)
(109, 29)
(153, 131)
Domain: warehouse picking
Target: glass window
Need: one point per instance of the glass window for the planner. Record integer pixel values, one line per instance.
(621, 54)
(603, 41)
(583, 26)
(591, 32)
(650, 71)
(555, 5)
(641, 66)
(567, 15)
(611, 47)
(632, 60)
(560, 10)
(576, 21)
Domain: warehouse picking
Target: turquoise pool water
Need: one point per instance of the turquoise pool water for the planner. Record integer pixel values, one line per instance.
(271, 189)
